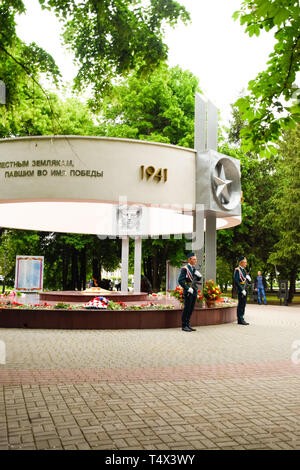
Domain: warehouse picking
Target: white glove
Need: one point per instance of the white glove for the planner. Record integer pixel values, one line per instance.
(248, 277)
(190, 290)
(197, 274)
(244, 292)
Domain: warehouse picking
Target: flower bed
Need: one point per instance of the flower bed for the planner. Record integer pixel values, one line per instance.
(99, 303)
(116, 315)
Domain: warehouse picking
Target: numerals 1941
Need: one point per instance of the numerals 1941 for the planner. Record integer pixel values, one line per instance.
(150, 172)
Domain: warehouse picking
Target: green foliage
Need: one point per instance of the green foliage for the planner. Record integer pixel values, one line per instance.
(35, 114)
(284, 215)
(264, 109)
(224, 273)
(159, 109)
(252, 238)
(62, 305)
(113, 37)
(20, 62)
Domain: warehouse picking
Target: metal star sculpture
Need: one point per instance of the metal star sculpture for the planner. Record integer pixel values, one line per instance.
(222, 186)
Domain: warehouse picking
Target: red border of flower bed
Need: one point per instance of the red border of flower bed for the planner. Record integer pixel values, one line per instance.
(111, 319)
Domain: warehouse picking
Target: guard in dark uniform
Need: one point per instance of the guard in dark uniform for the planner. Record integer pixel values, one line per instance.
(241, 279)
(187, 280)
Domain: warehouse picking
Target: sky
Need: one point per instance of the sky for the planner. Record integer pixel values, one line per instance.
(213, 47)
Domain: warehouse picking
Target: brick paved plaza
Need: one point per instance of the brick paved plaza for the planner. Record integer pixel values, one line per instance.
(221, 387)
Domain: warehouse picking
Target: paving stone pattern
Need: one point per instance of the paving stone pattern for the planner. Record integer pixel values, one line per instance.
(221, 387)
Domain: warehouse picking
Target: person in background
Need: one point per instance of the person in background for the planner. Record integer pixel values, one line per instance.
(260, 286)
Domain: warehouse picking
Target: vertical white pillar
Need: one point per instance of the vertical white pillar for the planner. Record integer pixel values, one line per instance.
(210, 246)
(200, 145)
(200, 123)
(211, 223)
(198, 242)
(124, 261)
(212, 126)
(137, 264)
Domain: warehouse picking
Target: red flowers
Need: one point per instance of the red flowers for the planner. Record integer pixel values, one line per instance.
(211, 291)
(178, 294)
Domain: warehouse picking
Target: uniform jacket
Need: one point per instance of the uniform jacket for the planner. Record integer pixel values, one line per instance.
(186, 277)
(240, 278)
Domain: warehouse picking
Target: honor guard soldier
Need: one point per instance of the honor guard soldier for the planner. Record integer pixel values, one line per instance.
(188, 279)
(241, 279)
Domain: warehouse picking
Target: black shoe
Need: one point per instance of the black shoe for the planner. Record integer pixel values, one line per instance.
(192, 329)
(243, 322)
(186, 328)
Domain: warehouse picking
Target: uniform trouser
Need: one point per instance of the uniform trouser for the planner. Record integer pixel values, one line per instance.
(261, 291)
(189, 304)
(241, 306)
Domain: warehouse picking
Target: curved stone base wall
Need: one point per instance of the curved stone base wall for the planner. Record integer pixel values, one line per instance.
(80, 296)
(112, 319)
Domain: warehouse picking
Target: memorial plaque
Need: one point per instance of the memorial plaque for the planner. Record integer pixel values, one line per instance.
(29, 273)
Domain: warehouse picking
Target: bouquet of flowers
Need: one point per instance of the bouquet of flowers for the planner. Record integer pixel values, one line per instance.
(199, 296)
(97, 302)
(178, 294)
(211, 291)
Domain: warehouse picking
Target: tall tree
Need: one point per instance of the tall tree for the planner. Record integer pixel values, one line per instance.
(113, 37)
(159, 109)
(284, 213)
(265, 108)
(252, 238)
(18, 60)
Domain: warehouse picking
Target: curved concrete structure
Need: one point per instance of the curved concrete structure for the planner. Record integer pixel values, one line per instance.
(74, 184)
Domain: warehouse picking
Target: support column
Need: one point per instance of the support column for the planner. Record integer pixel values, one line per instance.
(210, 246)
(200, 144)
(212, 126)
(124, 261)
(200, 141)
(198, 242)
(137, 264)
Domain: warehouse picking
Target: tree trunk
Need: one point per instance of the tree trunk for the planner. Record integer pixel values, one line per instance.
(83, 269)
(155, 270)
(74, 281)
(292, 289)
(65, 256)
(96, 272)
(234, 288)
(271, 283)
(148, 269)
